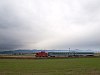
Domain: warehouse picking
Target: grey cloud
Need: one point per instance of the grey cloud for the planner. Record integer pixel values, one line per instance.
(49, 24)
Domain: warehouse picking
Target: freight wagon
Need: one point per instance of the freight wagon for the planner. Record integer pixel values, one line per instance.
(70, 54)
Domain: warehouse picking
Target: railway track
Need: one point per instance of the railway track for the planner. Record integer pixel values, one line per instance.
(30, 57)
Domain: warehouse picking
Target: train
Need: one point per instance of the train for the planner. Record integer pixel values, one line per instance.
(63, 54)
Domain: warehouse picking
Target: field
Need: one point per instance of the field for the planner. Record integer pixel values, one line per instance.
(69, 66)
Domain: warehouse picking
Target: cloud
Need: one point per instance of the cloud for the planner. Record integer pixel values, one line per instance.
(54, 24)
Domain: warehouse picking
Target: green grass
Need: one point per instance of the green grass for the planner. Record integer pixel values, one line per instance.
(72, 66)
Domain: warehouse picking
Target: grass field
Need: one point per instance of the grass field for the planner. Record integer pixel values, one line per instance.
(72, 66)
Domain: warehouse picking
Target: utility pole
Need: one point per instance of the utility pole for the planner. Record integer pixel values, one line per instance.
(69, 49)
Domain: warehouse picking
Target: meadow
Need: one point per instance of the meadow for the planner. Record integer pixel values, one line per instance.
(69, 66)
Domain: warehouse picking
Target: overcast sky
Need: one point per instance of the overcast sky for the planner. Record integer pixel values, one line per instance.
(50, 24)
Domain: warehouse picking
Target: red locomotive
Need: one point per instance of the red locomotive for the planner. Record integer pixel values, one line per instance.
(41, 54)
